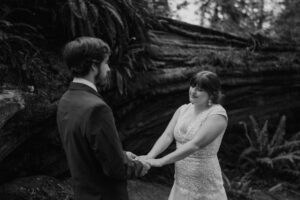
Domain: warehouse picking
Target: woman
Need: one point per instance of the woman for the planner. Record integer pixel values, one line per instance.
(198, 128)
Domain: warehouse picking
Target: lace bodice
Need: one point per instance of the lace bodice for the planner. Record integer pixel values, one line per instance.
(186, 130)
(198, 176)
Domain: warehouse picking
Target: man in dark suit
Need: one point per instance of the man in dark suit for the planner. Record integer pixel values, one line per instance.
(98, 165)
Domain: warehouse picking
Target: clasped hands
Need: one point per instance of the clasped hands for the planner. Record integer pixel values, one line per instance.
(146, 161)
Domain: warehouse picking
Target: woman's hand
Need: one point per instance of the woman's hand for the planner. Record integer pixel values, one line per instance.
(155, 162)
(143, 157)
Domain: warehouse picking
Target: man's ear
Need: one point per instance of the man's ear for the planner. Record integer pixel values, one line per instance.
(94, 68)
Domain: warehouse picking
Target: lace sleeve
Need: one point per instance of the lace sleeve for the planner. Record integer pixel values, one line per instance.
(219, 110)
(182, 109)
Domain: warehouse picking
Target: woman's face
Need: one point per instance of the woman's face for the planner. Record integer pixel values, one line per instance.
(198, 96)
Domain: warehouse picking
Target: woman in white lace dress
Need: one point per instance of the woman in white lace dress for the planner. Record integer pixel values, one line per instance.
(198, 128)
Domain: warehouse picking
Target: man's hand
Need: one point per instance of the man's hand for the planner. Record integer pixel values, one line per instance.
(142, 167)
(131, 155)
(146, 167)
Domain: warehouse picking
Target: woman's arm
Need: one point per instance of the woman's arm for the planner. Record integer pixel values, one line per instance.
(213, 127)
(165, 139)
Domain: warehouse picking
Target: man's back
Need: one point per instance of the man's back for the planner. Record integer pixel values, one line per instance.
(92, 146)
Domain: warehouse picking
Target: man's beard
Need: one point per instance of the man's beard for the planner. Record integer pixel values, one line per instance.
(103, 83)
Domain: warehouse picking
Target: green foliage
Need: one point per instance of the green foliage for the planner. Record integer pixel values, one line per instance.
(287, 26)
(240, 190)
(275, 18)
(121, 25)
(18, 54)
(273, 155)
(118, 22)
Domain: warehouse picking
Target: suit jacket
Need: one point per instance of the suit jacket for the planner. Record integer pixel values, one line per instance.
(97, 163)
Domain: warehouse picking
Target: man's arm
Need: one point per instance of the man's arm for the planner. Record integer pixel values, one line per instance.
(103, 138)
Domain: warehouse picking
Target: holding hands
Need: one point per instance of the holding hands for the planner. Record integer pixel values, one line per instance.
(145, 165)
(146, 161)
(151, 161)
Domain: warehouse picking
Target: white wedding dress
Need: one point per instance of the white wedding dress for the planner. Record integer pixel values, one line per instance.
(198, 176)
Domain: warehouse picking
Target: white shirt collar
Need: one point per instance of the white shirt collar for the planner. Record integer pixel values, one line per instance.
(85, 82)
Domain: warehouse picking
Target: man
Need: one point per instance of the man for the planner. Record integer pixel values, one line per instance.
(97, 163)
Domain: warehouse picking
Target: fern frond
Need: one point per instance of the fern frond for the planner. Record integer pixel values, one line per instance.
(5, 23)
(290, 157)
(263, 137)
(93, 13)
(296, 136)
(78, 8)
(247, 152)
(112, 10)
(266, 161)
(286, 147)
(22, 41)
(248, 174)
(278, 136)
(22, 27)
(290, 172)
(226, 180)
(120, 82)
(247, 133)
(255, 127)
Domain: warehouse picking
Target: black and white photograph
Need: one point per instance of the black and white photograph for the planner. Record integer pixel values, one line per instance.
(149, 100)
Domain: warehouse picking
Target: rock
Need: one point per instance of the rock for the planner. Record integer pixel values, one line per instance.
(49, 188)
(11, 101)
(280, 193)
(36, 188)
(139, 190)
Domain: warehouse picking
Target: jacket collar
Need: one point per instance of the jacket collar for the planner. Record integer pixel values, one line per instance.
(86, 82)
(81, 86)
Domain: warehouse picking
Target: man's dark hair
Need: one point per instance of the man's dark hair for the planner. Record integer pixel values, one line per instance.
(82, 52)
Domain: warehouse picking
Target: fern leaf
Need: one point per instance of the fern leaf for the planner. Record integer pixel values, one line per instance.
(93, 13)
(286, 147)
(247, 152)
(226, 181)
(83, 9)
(279, 133)
(290, 172)
(296, 136)
(73, 5)
(248, 174)
(5, 23)
(24, 27)
(290, 157)
(255, 128)
(111, 28)
(78, 8)
(128, 72)
(112, 10)
(263, 137)
(120, 82)
(73, 25)
(23, 41)
(266, 161)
